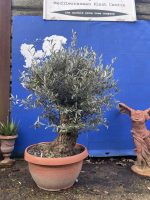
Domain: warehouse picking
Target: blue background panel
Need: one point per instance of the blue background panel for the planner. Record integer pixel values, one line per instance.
(129, 42)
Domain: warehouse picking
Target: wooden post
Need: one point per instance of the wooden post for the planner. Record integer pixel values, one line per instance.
(5, 45)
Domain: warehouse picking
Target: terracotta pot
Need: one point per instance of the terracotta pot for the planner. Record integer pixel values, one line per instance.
(7, 146)
(54, 174)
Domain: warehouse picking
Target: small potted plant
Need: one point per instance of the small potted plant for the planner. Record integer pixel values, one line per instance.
(74, 89)
(8, 135)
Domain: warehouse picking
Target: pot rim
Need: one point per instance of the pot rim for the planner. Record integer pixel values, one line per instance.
(8, 137)
(55, 161)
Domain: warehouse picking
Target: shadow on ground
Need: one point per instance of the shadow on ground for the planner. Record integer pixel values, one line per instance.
(100, 179)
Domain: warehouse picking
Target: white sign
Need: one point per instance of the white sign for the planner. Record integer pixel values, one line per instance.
(90, 10)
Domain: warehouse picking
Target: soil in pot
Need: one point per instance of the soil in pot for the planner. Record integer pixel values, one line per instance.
(46, 150)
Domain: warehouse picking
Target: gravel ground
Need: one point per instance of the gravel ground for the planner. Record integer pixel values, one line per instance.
(100, 179)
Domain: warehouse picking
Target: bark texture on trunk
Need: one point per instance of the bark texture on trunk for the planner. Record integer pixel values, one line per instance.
(65, 143)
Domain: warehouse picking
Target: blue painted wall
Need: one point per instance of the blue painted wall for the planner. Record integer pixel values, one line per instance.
(129, 42)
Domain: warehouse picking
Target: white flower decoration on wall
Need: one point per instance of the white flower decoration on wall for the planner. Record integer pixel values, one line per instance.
(51, 43)
(28, 51)
(54, 43)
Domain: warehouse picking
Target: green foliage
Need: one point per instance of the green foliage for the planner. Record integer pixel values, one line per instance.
(8, 129)
(71, 81)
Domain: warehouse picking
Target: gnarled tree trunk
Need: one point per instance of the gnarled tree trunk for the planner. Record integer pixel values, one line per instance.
(64, 144)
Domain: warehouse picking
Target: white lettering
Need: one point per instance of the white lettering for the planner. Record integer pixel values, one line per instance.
(117, 4)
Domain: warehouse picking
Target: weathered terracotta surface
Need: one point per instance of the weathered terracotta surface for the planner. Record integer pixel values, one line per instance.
(6, 147)
(141, 138)
(54, 174)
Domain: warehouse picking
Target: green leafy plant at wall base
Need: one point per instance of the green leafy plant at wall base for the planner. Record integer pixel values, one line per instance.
(8, 128)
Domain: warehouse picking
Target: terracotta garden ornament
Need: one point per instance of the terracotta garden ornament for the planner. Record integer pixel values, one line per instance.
(8, 135)
(7, 147)
(141, 138)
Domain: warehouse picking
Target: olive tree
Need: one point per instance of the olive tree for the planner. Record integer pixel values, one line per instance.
(71, 85)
